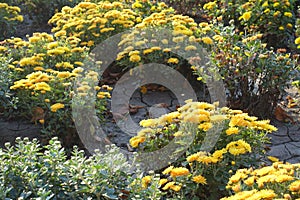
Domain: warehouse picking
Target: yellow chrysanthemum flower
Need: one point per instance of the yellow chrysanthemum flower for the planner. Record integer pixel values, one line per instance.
(56, 107)
(207, 40)
(179, 171)
(200, 179)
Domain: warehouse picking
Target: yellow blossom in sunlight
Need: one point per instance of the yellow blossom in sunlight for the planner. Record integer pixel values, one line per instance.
(56, 107)
(205, 126)
(276, 13)
(139, 43)
(168, 170)
(179, 171)
(42, 86)
(147, 51)
(64, 74)
(38, 69)
(218, 154)
(146, 181)
(273, 159)
(136, 140)
(283, 178)
(148, 122)
(246, 16)
(264, 194)
(78, 63)
(173, 60)
(60, 33)
(297, 40)
(263, 125)
(3, 48)
(265, 4)
(239, 120)
(200, 180)
(250, 181)
(178, 39)
(175, 188)
(163, 181)
(295, 186)
(156, 48)
(195, 156)
(190, 48)
(103, 30)
(102, 95)
(238, 147)
(210, 5)
(168, 185)
(207, 40)
(52, 45)
(218, 118)
(232, 130)
(288, 14)
(78, 70)
(207, 160)
(135, 58)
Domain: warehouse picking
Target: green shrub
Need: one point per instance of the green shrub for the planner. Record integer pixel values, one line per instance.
(249, 70)
(274, 19)
(30, 171)
(40, 72)
(9, 18)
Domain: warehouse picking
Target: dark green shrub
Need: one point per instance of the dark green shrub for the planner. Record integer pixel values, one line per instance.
(29, 171)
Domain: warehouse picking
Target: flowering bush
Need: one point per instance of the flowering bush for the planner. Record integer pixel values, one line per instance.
(42, 70)
(250, 71)
(9, 17)
(40, 11)
(274, 19)
(224, 141)
(278, 181)
(94, 22)
(135, 46)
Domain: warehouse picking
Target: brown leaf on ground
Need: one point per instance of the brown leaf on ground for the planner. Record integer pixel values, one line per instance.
(281, 115)
(161, 105)
(134, 109)
(291, 102)
(143, 89)
(37, 114)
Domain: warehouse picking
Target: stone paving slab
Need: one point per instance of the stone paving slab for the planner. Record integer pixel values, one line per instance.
(285, 142)
(10, 130)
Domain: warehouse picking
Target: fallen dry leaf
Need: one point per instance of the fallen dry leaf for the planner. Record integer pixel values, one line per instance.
(291, 102)
(37, 114)
(134, 109)
(281, 115)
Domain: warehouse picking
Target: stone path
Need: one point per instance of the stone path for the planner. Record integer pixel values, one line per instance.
(285, 142)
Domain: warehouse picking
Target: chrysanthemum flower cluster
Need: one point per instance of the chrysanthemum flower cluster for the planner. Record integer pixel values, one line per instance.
(240, 140)
(9, 17)
(278, 181)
